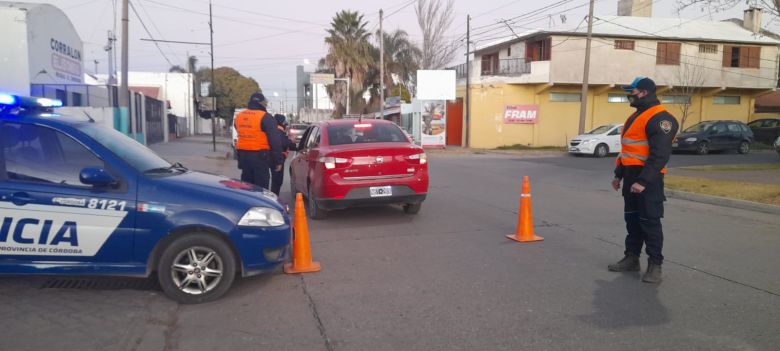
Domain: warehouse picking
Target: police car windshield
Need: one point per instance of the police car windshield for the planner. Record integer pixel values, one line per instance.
(132, 152)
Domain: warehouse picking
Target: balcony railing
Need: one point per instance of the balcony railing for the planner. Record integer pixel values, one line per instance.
(506, 67)
(460, 70)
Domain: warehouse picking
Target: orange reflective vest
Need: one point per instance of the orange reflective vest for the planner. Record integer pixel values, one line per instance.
(635, 148)
(250, 135)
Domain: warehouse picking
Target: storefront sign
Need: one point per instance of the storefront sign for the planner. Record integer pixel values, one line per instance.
(521, 114)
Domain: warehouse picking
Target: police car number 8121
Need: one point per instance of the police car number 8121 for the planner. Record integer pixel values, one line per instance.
(77, 197)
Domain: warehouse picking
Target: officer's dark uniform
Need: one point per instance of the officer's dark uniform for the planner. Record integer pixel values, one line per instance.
(277, 177)
(643, 158)
(258, 146)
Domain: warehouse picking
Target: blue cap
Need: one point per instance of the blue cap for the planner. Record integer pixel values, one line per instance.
(641, 83)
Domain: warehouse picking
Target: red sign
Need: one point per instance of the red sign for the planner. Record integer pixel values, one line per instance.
(526, 114)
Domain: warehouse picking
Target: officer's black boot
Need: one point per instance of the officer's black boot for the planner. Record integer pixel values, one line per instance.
(653, 274)
(629, 263)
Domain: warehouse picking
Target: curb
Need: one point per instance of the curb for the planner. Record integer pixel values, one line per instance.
(723, 201)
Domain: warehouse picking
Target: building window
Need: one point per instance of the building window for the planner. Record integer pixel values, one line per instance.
(565, 97)
(708, 49)
(676, 99)
(726, 100)
(617, 98)
(741, 56)
(509, 51)
(624, 44)
(489, 64)
(668, 54)
(538, 50)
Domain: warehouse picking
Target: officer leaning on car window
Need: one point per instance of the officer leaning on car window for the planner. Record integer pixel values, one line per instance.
(646, 147)
(259, 147)
(277, 174)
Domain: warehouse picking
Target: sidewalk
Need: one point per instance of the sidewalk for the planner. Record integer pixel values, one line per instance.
(196, 153)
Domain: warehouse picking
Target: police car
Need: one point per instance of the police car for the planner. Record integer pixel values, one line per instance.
(77, 198)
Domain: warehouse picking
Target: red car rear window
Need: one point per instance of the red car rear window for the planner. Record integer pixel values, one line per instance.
(365, 133)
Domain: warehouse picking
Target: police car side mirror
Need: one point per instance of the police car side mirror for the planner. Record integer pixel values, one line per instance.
(96, 177)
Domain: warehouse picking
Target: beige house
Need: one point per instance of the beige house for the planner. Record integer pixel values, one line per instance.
(704, 69)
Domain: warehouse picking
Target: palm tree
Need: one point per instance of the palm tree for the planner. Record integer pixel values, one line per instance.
(349, 54)
(402, 59)
(177, 69)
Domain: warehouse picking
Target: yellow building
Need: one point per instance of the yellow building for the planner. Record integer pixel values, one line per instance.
(705, 70)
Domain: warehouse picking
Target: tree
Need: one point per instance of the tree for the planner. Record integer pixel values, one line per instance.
(771, 6)
(177, 69)
(232, 89)
(689, 83)
(435, 19)
(349, 55)
(402, 59)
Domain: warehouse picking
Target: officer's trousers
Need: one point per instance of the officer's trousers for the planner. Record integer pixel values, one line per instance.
(255, 167)
(643, 213)
(277, 178)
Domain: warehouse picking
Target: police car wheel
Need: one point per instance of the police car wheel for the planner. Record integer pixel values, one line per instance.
(196, 268)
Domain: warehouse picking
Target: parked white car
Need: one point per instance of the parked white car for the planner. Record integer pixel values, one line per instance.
(599, 142)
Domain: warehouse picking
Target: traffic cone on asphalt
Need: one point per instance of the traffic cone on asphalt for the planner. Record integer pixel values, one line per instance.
(525, 224)
(301, 260)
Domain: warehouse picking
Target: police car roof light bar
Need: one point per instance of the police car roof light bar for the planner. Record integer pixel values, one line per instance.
(7, 99)
(46, 102)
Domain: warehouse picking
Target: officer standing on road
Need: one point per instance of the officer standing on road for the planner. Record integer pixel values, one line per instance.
(646, 147)
(259, 146)
(277, 175)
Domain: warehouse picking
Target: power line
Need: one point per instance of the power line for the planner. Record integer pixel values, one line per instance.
(154, 25)
(148, 32)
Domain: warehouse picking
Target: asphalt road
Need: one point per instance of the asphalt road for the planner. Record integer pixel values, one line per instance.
(448, 279)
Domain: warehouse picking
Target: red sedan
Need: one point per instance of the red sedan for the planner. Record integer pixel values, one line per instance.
(347, 163)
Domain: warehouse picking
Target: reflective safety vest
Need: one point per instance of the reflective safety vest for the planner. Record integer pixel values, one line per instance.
(635, 148)
(250, 135)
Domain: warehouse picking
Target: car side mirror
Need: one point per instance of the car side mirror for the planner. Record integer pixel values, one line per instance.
(96, 176)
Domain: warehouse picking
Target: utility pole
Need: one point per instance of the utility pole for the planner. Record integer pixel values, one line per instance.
(111, 58)
(381, 66)
(213, 85)
(584, 95)
(124, 93)
(468, 78)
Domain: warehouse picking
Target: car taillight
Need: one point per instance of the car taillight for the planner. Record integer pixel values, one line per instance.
(419, 158)
(332, 162)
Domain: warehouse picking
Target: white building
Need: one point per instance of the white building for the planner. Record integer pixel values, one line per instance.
(40, 46)
(174, 89)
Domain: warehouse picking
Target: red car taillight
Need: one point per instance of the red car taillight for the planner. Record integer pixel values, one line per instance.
(421, 158)
(333, 162)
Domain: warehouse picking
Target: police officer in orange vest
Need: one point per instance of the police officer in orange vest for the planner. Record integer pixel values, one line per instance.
(259, 146)
(646, 147)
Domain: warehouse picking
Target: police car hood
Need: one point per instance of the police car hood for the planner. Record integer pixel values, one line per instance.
(220, 188)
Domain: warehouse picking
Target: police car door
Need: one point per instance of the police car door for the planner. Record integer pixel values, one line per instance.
(48, 214)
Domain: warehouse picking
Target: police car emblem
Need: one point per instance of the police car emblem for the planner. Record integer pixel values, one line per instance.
(666, 126)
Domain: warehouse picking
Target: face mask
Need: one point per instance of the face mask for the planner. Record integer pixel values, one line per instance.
(633, 100)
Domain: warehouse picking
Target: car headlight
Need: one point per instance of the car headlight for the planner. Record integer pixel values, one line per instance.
(262, 217)
(690, 140)
(589, 141)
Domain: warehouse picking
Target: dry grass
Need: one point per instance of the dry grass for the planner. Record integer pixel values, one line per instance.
(745, 167)
(763, 193)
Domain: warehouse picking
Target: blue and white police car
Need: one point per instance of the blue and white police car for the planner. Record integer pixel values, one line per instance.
(77, 198)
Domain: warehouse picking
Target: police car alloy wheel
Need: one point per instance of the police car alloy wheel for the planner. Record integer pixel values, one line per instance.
(196, 267)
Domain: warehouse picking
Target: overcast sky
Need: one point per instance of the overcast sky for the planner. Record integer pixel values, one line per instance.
(267, 39)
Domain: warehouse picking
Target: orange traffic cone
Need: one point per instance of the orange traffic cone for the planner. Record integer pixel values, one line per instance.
(301, 261)
(525, 225)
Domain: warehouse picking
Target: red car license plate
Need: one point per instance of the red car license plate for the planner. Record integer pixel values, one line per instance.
(380, 191)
